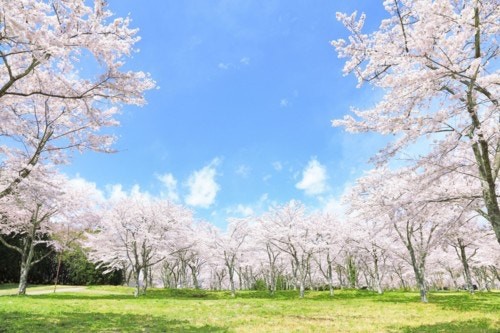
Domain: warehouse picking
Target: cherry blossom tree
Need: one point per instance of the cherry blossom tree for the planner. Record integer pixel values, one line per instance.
(273, 265)
(199, 252)
(230, 247)
(294, 233)
(435, 60)
(39, 209)
(399, 200)
(61, 81)
(190, 251)
(332, 240)
(464, 239)
(371, 238)
(138, 231)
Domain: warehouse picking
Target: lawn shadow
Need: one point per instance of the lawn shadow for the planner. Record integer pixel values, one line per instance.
(346, 294)
(75, 296)
(178, 294)
(343, 294)
(484, 302)
(97, 322)
(398, 297)
(7, 286)
(469, 326)
(190, 294)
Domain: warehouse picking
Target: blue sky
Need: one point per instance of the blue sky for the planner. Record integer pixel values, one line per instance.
(241, 119)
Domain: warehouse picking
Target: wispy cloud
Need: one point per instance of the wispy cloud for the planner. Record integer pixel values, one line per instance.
(202, 186)
(244, 210)
(240, 210)
(170, 184)
(237, 64)
(223, 66)
(87, 187)
(334, 206)
(245, 61)
(115, 192)
(243, 170)
(284, 103)
(277, 165)
(314, 178)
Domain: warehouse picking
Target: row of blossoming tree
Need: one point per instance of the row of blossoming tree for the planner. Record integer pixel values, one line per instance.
(392, 239)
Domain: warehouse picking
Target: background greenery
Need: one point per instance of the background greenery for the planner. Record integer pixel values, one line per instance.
(75, 268)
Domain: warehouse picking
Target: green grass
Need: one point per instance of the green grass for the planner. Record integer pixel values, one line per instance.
(114, 309)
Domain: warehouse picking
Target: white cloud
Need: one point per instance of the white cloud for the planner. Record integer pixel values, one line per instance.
(116, 192)
(243, 170)
(86, 187)
(245, 61)
(242, 210)
(223, 66)
(170, 183)
(314, 178)
(136, 190)
(277, 166)
(335, 207)
(245, 210)
(284, 103)
(202, 186)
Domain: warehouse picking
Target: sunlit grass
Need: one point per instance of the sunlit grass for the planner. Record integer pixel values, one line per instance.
(114, 309)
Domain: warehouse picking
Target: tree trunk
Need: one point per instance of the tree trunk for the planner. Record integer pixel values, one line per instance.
(273, 283)
(233, 289)
(231, 282)
(423, 292)
(340, 276)
(194, 276)
(302, 270)
(145, 279)
(240, 279)
(272, 269)
(301, 288)
(453, 277)
(480, 148)
(352, 273)
(56, 280)
(378, 282)
(419, 275)
(138, 283)
(465, 264)
(27, 254)
(23, 279)
(330, 279)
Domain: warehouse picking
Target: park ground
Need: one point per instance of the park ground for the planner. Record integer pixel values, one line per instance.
(114, 309)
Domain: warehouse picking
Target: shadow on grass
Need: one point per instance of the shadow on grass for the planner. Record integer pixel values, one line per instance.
(485, 302)
(470, 326)
(256, 294)
(190, 294)
(97, 322)
(177, 294)
(7, 286)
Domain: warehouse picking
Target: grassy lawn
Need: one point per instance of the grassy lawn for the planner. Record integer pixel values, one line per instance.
(114, 309)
